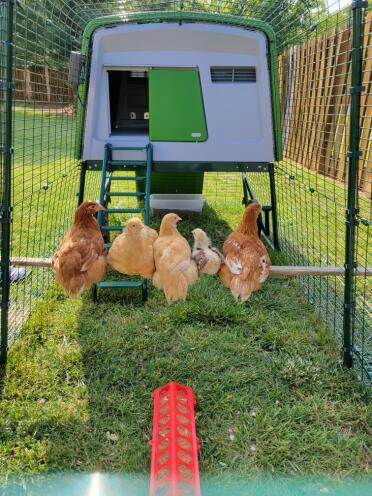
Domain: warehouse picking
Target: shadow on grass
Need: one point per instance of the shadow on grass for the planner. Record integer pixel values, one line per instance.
(126, 351)
(2, 377)
(265, 373)
(119, 358)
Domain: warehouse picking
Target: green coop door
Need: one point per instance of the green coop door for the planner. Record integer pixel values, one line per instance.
(176, 105)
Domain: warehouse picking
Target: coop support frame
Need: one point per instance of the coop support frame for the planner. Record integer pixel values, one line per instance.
(7, 151)
(353, 167)
(83, 172)
(273, 208)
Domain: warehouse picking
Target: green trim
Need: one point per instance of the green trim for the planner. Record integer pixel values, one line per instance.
(153, 17)
(96, 165)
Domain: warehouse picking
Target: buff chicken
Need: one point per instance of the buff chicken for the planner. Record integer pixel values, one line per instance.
(132, 251)
(175, 270)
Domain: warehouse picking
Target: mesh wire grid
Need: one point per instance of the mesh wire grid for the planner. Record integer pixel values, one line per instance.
(314, 42)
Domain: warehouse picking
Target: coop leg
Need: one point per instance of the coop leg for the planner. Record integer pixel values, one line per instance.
(144, 291)
(95, 293)
(248, 196)
(83, 171)
(267, 221)
(245, 191)
(274, 207)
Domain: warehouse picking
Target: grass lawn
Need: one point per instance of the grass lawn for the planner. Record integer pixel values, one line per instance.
(272, 395)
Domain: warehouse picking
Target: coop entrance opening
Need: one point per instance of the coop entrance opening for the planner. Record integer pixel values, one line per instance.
(163, 104)
(129, 101)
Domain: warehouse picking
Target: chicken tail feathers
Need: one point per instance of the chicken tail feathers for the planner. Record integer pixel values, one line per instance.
(175, 286)
(191, 273)
(67, 267)
(241, 289)
(95, 272)
(157, 280)
(225, 276)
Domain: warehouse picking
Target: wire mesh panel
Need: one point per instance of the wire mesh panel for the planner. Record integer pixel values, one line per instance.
(363, 311)
(312, 180)
(45, 174)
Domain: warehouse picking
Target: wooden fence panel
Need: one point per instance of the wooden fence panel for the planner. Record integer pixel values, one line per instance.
(315, 82)
(42, 85)
(365, 171)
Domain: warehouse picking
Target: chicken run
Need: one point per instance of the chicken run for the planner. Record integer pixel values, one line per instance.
(147, 147)
(190, 118)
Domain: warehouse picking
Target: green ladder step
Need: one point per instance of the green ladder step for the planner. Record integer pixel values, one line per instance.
(124, 210)
(120, 284)
(128, 178)
(141, 163)
(112, 228)
(142, 172)
(122, 193)
(128, 148)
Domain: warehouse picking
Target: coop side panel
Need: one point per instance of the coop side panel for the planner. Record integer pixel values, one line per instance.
(238, 115)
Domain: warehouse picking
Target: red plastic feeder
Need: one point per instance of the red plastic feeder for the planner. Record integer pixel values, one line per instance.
(174, 457)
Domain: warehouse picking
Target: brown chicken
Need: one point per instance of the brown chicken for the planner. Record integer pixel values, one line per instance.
(132, 251)
(80, 261)
(175, 270)
(208, 259)
(247, 263)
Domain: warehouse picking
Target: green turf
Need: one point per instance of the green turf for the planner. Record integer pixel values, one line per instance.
(272, 395)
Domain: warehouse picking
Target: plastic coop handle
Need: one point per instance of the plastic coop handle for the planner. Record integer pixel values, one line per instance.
(174, 457)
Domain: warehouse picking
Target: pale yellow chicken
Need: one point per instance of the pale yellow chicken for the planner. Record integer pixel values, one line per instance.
(132, 251)
(175, 270)
(207, 258)
(80, 261)
(247, 262)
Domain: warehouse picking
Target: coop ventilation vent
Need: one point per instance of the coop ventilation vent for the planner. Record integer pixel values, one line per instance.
(233, 74)
(138, 74)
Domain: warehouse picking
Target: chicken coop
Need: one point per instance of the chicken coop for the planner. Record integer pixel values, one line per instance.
(232, 100)
(202, 90)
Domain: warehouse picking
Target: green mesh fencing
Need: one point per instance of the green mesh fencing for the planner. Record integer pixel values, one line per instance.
(315, 41)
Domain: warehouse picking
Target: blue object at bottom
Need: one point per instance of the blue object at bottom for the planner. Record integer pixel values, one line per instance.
(101, 484)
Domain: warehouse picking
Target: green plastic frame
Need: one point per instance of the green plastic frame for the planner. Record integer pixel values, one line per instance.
(153, 17)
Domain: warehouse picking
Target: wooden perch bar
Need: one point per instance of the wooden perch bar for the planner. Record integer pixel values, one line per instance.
(275, 270)
(30, 262)
(292, 270)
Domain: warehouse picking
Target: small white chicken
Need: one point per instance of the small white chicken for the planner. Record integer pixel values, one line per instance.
(207, 258)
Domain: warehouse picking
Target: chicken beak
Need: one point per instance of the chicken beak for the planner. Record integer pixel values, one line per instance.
(178, 218)
(99, 207)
